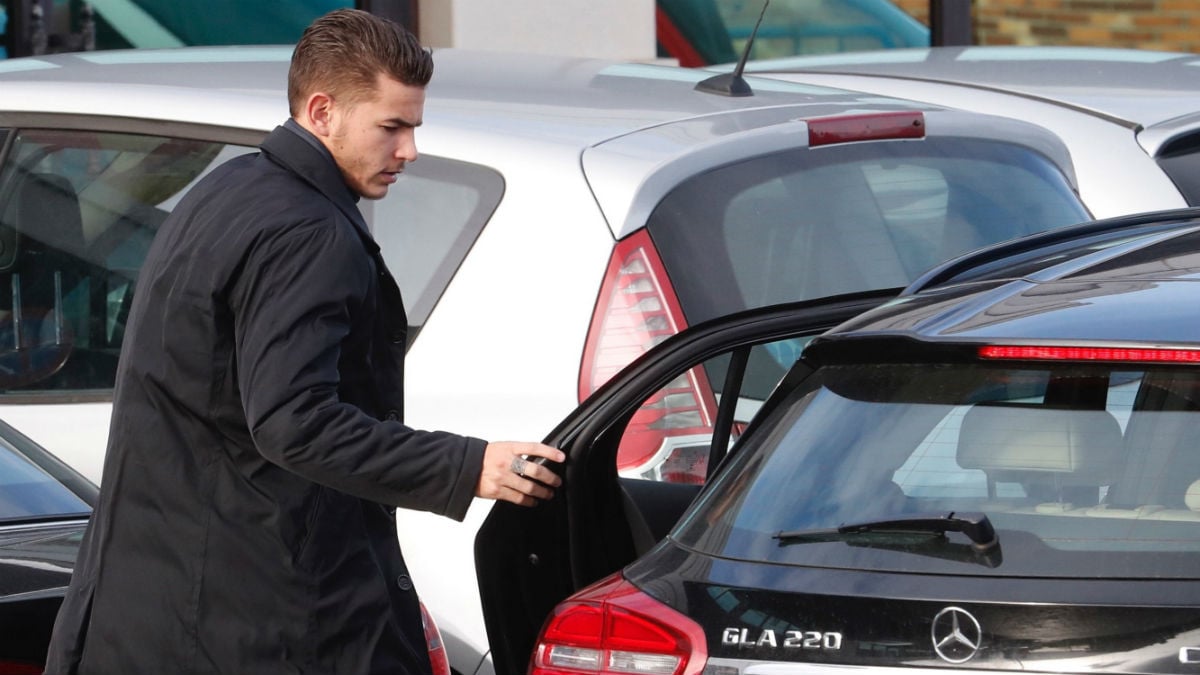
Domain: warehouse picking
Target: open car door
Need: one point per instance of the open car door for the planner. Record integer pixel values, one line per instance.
(529, 559)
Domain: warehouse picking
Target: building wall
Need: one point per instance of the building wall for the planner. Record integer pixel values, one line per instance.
(618, 29)
(1164, 25)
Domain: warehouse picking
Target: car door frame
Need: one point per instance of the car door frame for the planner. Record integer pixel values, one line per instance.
(529, 559)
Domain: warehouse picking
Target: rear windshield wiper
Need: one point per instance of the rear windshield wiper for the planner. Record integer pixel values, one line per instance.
(975, 526)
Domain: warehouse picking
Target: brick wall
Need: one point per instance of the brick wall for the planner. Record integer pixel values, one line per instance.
(1164, 25)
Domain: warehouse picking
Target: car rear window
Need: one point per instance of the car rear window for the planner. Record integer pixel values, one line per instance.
(809, 223)
(1083, 470)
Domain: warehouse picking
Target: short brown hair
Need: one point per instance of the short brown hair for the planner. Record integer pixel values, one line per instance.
(343, 52)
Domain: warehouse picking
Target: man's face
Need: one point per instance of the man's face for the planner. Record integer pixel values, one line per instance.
(373, 140)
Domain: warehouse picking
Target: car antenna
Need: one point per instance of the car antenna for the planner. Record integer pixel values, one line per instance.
(733, 84)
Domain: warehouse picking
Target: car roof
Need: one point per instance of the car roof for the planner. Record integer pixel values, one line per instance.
(1134, 287)
(1147, 90)
(634, 125)
(578, 101)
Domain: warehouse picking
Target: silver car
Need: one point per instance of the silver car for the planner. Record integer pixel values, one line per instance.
(564, 216)
(1131, 118)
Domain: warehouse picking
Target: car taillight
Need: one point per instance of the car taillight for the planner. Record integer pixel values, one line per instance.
(637, 308)
(1052, 353)
(612, 627)
(433, 640)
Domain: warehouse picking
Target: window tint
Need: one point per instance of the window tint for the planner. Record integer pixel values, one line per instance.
(427, 223)
(1181, 162)
(170, 23)
(27, 491)
(78, 210)
(717, 30)
(1082, 470)
(793, 27)
(810, 223)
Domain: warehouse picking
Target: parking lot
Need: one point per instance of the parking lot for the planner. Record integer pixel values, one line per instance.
(670, 285)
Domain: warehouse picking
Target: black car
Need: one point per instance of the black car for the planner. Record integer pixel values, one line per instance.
(997, 470)
(44, 509)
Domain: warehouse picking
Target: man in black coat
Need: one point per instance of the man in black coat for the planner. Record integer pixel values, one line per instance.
(245, 522)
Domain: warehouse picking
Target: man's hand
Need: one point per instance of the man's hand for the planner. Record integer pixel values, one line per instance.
(508, 473)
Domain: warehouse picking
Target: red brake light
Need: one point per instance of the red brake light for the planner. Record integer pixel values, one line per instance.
(612, 627)
(1044, 353)
(433, 641)
(868, 127)
(636, 310)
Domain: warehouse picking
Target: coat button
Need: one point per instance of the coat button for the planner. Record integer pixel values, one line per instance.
(404, 583)
(398, 337)
(393, 416)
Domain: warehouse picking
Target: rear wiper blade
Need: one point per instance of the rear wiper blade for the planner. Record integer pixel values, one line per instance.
(974, 525)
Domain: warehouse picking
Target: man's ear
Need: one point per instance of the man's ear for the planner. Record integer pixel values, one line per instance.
(318, 113)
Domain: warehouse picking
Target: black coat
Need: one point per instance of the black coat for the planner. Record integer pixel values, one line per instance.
(244, 522)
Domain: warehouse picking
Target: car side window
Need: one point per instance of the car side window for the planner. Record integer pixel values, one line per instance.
(78, 210)
(427, 223)
(670, 437)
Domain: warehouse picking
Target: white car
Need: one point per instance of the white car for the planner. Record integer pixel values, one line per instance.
(564, 216)
(1129, 117)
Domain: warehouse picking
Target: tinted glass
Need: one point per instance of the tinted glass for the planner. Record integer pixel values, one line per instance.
(717, 30)
(1082, 470)
(28, 492)
(170, 23)
(1182, 165)
(5, 38)
(78, 210)
(805, 224)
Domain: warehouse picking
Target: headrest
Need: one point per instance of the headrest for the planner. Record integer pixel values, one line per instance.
(1082, 446)
(48, 213)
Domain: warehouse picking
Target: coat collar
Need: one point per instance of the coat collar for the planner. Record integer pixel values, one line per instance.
(306, 159)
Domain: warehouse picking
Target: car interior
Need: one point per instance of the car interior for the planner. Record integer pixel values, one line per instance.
(77, 213)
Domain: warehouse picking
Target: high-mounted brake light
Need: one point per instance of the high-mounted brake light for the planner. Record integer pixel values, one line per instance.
(612, 627)
(1049, 353)
(866, 127)
(637, 308)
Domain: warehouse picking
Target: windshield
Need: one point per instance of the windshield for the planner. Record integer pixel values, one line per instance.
(1082, 471)
(805, 224)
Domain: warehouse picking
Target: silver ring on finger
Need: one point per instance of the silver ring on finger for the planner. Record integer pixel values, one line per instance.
(518, 465)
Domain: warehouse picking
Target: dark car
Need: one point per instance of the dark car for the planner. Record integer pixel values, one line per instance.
(44, 509)
(997, 470)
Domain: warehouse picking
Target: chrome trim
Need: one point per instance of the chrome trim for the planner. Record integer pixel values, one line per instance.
(956, 635)
(45, 525)
(716, 666)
